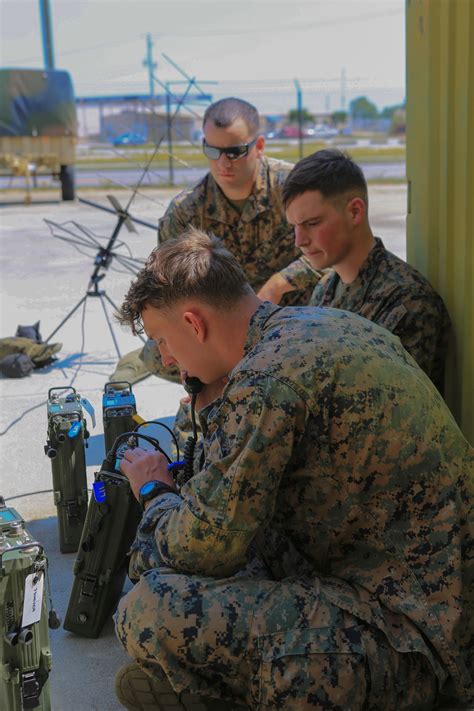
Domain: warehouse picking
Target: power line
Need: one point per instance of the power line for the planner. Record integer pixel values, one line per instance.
(78, 50)
(226, 32)
(297, 27)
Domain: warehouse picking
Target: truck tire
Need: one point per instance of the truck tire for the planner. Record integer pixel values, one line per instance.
(66, 176)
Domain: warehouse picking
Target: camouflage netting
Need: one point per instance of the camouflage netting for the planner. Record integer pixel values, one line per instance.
(36, 102)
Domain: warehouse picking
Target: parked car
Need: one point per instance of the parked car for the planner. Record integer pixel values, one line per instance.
(319, 131)
(293, 132)
(323, 131)
(128, 139)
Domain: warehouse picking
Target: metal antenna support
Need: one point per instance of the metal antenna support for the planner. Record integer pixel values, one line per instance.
(117, 209)
(102, 261)
(105, 255)
(172, 98)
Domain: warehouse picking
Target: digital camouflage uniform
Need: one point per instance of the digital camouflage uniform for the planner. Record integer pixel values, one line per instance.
(393, 294)
(259, 237)
(332, 457)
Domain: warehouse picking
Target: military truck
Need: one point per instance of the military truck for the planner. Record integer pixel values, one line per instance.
(38, 125)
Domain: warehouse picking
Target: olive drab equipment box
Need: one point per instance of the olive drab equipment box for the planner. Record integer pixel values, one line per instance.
(101, 564)
(38, 125)
(67, 437)
(25, 655)
(118, 410)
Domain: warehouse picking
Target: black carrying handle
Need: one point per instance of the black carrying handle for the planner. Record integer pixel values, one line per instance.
(117, 382)
(23, 546)
(63, 387)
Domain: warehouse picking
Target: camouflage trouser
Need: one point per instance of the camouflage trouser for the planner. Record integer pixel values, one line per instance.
(270, 645)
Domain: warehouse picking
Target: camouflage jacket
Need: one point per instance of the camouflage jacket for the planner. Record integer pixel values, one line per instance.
(392, 293)
(260, 237)
(332, 452)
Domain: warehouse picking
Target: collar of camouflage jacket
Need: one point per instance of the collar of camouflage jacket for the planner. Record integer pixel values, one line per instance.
(257, 323)
(358, 288)
(264, 312)
(219, 208)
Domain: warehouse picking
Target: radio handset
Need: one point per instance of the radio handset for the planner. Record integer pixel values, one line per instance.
(193, 386)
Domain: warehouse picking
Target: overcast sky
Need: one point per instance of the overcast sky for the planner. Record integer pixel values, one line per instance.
(252, 48)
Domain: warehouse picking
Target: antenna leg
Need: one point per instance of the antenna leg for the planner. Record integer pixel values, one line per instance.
(109, 324)
(116, 309)
(66, 318)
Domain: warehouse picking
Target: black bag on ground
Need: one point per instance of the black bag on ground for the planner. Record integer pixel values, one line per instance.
(16, 365)
(31, 332)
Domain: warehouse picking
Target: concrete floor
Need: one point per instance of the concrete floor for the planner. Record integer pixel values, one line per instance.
(42, 278)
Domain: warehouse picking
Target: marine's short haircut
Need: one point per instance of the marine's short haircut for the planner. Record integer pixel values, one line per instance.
(224, 112)
(193, 265)
(330, 171)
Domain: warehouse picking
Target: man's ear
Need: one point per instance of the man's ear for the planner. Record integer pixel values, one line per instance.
(197, 324)
(260, 145)
(357, 210)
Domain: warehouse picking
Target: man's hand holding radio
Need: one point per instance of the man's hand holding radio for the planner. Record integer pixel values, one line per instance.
(141, 466)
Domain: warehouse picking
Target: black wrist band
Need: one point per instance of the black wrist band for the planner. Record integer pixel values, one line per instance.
(152, 489)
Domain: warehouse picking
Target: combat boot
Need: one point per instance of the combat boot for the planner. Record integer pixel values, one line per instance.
(138, 691)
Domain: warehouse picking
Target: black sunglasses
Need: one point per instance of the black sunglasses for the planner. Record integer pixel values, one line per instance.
(232, 153)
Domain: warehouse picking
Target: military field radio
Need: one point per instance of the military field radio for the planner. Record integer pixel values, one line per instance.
(119, 411)
(25, 655)
(112, 520)
(109, 530)
(67, 437)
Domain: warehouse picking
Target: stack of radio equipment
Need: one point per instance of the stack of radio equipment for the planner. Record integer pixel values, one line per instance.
(110, 526)
(67, 437)
(25, 654)
(101, 531)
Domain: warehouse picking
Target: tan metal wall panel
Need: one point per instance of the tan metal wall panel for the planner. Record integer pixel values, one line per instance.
(440, 173)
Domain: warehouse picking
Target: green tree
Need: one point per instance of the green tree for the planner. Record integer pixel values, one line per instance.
(362, 108)
(399, 120)
(306, 116)
(388, 111)
(339, 117)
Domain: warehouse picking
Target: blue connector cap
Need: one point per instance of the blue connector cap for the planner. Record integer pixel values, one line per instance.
(175, 465)
(75, 429)
(98, 489)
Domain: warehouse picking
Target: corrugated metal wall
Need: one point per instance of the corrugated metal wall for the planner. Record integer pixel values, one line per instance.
(440, 172)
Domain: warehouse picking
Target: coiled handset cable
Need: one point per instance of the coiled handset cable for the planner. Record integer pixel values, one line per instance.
(193, 386)
(147, 423)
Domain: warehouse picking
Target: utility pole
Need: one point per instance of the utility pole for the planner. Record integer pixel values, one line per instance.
(47, 34)
(169, 135)
(343, 89)
(344, 100)
(299, 102)
(149, 63)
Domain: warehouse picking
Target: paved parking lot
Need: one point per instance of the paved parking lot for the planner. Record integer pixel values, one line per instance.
(42, 278)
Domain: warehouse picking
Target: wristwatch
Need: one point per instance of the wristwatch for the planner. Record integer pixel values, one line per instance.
(153, 488)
